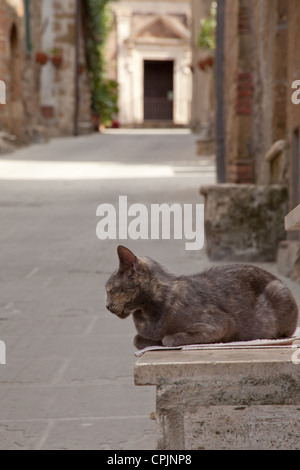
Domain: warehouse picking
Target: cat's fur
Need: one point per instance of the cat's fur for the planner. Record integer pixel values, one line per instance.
(236, 302)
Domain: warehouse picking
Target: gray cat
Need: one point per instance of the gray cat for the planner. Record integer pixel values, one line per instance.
(228, 303)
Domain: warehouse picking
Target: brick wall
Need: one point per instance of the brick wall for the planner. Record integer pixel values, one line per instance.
(238, 91)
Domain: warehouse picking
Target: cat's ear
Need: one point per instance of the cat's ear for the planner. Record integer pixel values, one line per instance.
(128, 261)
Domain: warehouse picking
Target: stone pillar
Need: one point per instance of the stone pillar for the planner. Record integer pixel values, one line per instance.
(225, 399)
(240, 168)
(182, 87)
(123, 16)
(48, 98)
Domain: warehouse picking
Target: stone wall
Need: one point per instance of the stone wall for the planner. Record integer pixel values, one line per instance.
(58, 82)
(293, 110)
(258, 41)
(262, 142)
(40, 99)
(238, 91)
(244, 222)
(203, 106)
(20, 116)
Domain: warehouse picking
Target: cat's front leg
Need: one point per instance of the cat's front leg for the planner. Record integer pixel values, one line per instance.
(181, 339)
(202, 333)
(140, 342)
(178, 339)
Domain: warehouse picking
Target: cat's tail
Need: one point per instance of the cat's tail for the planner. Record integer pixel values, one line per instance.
(284, 306)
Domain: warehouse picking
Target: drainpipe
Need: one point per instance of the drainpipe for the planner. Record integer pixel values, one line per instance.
(220, 76)
(28, 31)
(76, 76)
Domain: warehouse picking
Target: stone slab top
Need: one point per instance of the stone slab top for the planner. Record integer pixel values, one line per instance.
(292, 220)
(157, 367)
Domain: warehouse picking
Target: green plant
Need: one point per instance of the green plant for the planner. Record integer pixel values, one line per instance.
(104, 91)
(207, 35)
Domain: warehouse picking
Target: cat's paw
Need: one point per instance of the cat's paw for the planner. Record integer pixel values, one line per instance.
(167, 341)
(140, 342)
(170, 341)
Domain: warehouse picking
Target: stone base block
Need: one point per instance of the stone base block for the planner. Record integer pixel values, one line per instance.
(244, 222)
(225, 399)
(262, 427)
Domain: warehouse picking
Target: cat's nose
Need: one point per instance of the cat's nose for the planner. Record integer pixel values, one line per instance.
(110, 307)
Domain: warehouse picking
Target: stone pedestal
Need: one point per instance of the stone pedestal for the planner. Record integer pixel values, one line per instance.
(244, 222)
(224, 399)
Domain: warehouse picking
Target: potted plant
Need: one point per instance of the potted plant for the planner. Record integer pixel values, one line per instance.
(207, 40)
(41, 58)
(56, 57)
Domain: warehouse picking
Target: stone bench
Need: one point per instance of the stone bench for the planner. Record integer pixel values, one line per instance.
(224, 399)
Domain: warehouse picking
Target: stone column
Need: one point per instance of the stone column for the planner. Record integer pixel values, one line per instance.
(123, 16)
(48, 99)
(240, 168)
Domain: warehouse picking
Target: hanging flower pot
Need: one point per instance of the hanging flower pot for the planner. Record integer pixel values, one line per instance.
(41, 58)
(201, 64)
(206, 62)
(56, 60)
(210, 61)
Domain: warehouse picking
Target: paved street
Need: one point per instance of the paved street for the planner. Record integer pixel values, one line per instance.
(68, 381)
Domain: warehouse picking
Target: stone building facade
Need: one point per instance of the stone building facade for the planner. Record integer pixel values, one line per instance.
(19, 116)
(37, 65)
(261, 123)
(150, 54)
(58, 82)
(203, 102)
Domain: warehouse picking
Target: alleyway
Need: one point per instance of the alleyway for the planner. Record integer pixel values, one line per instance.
(68, 381)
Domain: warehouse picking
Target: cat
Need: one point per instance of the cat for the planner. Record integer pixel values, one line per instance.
(237, 302)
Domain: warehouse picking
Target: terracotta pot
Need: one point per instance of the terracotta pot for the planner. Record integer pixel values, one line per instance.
(41, 58)
(210, 61)
(206, 62)
(56, 60)
(202, 64)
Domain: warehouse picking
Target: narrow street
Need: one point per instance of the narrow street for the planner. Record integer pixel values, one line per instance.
(145, 86)
(68, 378)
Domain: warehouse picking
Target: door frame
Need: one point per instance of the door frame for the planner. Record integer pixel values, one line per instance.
(132, 93)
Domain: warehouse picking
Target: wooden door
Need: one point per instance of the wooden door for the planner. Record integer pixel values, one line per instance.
(158, 90)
